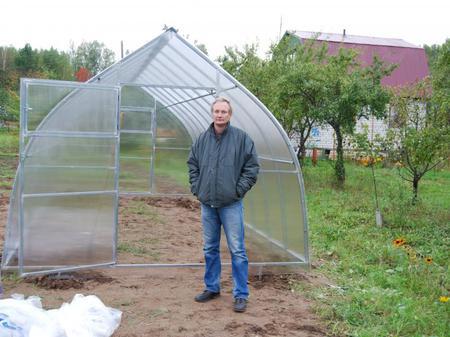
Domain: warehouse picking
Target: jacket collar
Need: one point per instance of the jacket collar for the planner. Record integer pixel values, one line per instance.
(213, 132)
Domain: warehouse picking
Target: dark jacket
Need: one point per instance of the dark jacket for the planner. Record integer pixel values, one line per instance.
(222, 169)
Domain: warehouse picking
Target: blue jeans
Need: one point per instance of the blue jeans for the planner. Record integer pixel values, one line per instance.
(232, 219)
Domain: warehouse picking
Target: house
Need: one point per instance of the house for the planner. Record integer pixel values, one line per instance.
(411, 63)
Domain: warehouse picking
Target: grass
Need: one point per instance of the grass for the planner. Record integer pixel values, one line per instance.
(382, 289)
(9, 146)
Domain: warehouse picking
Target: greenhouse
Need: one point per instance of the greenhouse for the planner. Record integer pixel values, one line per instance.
(127, 132)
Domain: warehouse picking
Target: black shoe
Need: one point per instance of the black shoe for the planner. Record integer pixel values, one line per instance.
(206, 295)
(240, 304)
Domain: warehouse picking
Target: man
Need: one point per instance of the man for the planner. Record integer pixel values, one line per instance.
(223, 166)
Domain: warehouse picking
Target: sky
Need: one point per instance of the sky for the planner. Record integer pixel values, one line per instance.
(216, 24)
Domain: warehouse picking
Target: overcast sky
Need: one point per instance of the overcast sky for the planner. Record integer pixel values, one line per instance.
(47, 23)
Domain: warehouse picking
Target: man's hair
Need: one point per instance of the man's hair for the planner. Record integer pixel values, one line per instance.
(222, 99)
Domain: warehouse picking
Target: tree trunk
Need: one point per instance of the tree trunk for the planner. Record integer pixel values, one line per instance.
(301, 152)
(415, 188)
(339, 168)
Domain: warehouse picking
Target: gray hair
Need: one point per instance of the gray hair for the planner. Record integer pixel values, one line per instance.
(222, 99)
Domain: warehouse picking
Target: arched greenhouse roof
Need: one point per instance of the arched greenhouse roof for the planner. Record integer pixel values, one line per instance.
(128, 131)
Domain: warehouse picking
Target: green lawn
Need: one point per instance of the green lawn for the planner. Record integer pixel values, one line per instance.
(382, 289)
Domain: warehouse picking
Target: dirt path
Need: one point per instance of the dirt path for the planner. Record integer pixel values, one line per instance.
(159, 302)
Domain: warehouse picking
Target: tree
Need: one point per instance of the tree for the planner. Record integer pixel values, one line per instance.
(247, 67)
(296, 96)
(82, 75)
(420, 135)
(55, 64)
(93, 56)
(350, 93)
(441, 80)
(27, 59)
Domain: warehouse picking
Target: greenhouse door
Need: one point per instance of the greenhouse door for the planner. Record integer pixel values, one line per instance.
(68, 176)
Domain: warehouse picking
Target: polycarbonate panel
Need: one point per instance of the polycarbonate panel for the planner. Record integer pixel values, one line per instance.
(170, 132)
(48, 179)
(292, 207)
(63, 231)
(258, 125)
(135, 162)
(137, 97)
(79, 110)
(135, 145)
(171, 173)
(135, 175)
(41, 100)
(71, 151)
(135, 120)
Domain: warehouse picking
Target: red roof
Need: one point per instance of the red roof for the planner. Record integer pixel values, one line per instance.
(411, 59)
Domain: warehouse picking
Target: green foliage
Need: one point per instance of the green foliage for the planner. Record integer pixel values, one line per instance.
(297, 87)
(56, 64)
(27, 59)
(248, 68)
(93, 56)
(379, 288)
(433, 54)
(441, 80)
(420, 136)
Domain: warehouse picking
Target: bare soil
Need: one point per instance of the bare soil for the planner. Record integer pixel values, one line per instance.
(159, 301)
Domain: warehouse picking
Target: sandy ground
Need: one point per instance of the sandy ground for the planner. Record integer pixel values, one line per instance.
(159, 301)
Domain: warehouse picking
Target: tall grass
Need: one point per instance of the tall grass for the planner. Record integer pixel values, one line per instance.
(383, 287)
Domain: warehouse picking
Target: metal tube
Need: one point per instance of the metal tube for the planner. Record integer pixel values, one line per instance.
(116, 179)
(150, 194)
(23, 122)
(61, 270)
(153, 154)
(68, 84)
(145, 132)
(284, 161)
(93, 167)
(60, 194)
(66, 134)
(173, 148)
(278, 171)
(126, 108)
(167, 86)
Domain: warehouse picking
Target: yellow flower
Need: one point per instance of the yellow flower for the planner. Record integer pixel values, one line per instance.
(399, 242)
(428, 260)
(443, 299)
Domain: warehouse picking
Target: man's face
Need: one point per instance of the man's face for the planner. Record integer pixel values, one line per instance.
(221, 113)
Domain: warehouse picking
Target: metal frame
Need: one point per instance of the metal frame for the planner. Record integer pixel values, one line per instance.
(24, 108)
(164, 93)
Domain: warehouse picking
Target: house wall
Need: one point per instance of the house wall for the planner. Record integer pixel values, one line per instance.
(323, 137)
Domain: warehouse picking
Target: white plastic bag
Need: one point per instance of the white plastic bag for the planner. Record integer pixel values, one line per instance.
(26, 318)
(87, 316)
